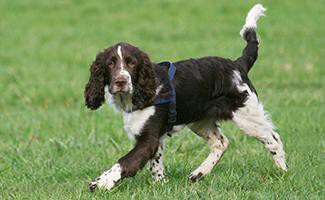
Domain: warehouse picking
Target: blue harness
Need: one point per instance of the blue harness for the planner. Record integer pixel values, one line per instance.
(172, 98)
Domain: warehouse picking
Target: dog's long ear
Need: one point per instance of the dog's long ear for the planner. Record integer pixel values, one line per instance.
(94, 90)
(145, 84)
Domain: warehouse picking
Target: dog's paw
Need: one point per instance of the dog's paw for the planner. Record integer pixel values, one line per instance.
(103, 182)
(92, 186)
(280, 163)
(157, 175)
(107, 180)
(194, 177)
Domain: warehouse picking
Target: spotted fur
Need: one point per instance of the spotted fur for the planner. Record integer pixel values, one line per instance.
(156, 165)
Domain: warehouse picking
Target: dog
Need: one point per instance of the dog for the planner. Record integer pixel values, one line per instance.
(160, 99)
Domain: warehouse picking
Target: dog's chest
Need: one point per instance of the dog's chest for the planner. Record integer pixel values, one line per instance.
(136, 120)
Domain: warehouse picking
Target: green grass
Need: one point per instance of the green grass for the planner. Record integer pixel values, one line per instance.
(51, 146)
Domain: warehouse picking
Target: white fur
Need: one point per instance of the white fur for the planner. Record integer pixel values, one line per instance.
(158, 89)
(252, 107)
(255, 122)
(108, 178)
(252, 16)
(135, 121)
(119, 52)
(239, 83)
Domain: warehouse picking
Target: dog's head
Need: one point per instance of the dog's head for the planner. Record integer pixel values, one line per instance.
(126, 71)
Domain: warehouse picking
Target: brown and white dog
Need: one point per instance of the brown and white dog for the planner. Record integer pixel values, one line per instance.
(207, 89)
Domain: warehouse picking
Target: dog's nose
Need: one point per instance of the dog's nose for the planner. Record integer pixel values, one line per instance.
(120, 81)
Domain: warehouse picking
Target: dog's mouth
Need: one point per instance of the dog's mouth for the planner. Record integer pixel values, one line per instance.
(115, 90)
(120, 93)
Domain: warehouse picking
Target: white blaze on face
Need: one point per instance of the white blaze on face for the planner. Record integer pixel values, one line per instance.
(119, 53)
(124, 72)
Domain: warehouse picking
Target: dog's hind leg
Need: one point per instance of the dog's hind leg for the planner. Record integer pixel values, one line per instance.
(156, 165)
(254, 121)
(217, 142)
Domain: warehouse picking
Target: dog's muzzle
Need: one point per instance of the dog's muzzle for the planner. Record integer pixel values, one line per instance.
(120, 84)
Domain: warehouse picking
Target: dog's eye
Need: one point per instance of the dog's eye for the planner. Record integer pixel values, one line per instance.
(130, 62)
(110, 63)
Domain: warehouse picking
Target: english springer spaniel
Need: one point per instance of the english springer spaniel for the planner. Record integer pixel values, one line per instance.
(159, 99)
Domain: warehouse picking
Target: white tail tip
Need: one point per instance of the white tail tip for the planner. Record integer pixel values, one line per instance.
(252, 16)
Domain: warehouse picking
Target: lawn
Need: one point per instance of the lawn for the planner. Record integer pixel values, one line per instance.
(51, 146)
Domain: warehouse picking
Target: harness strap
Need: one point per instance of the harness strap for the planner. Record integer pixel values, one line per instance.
(172, 115)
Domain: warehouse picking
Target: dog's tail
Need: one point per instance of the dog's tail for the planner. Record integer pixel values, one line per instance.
(248, 33)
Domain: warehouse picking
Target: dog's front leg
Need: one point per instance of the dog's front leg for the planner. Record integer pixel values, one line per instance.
(145, 148)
